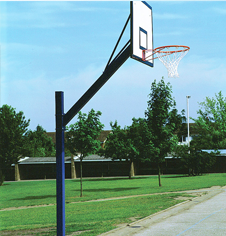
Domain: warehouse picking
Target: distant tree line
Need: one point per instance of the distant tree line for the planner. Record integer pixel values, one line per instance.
(147, 139)
(17, 141)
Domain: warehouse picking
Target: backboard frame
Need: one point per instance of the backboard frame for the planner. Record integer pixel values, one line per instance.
(141, 30)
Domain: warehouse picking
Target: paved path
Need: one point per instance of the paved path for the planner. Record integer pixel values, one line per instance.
(203, 216)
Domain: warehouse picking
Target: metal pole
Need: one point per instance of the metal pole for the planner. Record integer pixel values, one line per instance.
(188, 120)
(60, 167)
(63, 119)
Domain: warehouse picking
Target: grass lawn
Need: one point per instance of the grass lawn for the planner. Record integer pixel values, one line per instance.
(95, 217)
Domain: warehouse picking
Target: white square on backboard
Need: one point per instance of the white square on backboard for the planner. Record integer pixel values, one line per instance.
(141, 30)
(143, 39)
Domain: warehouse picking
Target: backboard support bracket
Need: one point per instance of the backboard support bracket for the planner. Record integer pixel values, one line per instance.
(123, 30)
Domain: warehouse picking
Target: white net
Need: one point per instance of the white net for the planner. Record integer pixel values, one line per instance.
(171, 60)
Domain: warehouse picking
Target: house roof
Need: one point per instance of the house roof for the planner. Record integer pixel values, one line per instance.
(52, 160)
(52, 135)
(104, 133)
(102, 137)
(91, 158)
(194, 130)
(40, 160)
(94, 158)
(222, 151)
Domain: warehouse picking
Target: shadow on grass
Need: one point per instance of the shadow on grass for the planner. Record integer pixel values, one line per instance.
(35, 197)
(107, 189)
(4, 185)
(108, 179)
(176, 176)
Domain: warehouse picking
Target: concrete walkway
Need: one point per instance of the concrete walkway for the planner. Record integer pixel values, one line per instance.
(204, 215)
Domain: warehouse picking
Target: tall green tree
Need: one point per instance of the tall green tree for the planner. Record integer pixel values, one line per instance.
(211, 122)
(82, 137)
(13, 129)
(163, 121)
(119, 145)
(40, 145)
(141, 138)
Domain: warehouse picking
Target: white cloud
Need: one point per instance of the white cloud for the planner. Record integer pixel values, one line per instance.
(47, 14)
(30, 48)
(35, 97)
(57, 6)
(123, 97)
(219, 10)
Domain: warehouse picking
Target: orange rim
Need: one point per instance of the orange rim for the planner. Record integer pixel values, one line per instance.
(160, 50)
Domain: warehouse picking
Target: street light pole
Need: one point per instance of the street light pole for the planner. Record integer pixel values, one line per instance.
(188, 120)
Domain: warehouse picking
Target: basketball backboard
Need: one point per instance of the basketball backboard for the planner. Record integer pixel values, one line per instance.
(141, 30)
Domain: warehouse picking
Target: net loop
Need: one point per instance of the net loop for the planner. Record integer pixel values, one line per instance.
(170, 56)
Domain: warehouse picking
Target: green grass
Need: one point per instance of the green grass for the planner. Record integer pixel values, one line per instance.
(29, 193)
(93, 217)
(97, 217)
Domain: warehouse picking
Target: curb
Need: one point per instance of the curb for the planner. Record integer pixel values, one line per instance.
(159, 216)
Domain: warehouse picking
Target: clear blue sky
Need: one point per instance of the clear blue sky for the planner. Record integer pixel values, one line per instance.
(64, 46)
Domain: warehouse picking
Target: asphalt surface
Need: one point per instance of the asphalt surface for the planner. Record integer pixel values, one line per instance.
(202, 216)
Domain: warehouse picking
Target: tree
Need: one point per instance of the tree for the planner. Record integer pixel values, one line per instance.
(196, 160)
(211, 129)
(211, 123)
(13, 129)
(163, 121)
(140, 136)
(40, 145)
(119, 145)
(82, 137)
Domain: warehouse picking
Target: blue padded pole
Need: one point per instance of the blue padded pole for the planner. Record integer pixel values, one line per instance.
(60, 166)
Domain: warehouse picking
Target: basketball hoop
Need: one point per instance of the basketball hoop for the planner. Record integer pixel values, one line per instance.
(170, 56)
